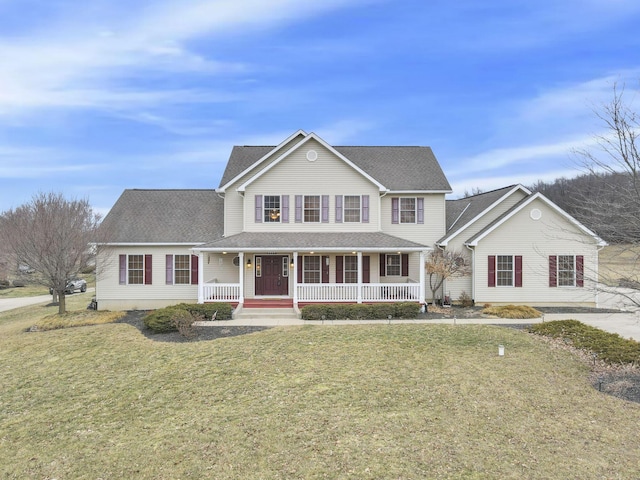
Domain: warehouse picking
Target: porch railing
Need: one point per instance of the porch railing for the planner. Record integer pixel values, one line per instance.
(220, 292)
(371, 292)
(326, 292)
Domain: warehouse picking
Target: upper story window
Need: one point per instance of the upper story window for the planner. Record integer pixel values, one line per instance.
(407, 210)
(312, 208)
(352, 208)
(271, 208)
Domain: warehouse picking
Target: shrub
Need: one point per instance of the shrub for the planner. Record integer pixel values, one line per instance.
(465, 299)
(360, 311)
(19, 283)
(406, 310)
(161, 320)
(609, 347)
(183, 322)
(222, 311)
(513, 311)
(4, 284)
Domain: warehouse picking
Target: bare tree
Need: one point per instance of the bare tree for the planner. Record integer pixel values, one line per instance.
(52, 235)
(444, 264)
(609, 200)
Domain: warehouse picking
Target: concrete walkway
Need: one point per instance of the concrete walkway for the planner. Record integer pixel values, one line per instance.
(625, 324)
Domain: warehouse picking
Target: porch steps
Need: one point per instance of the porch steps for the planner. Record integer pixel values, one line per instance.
(268, 303)
(265, 313)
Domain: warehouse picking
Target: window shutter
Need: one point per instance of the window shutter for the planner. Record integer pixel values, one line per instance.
(325, 208)
(339, 269)
(579, 271)
(300, 262)
(285, 209)
(383, 264)
(420, 210)
(395, 213)
(405, 264)
(147, 270)
(298, 208)
(366, 269)
(338, 208)
(194, 270)
(518, 279)
(123, 269)
(325, 268)
(258, 209)
(553, 271)
(365, 209)
(491, 279)
(169, 270)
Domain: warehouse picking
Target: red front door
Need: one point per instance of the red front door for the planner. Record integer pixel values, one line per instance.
(269, 275)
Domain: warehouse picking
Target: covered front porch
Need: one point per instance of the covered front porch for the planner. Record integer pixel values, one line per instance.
(323, 272)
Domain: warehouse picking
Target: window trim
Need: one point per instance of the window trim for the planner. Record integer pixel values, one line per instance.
(306, 271)
(305, 209)
(345, 208)
(511, 271)
(130, 270)
(388, 264)
(350, 271)
(267, 216)
(415, 210)
(187, 269)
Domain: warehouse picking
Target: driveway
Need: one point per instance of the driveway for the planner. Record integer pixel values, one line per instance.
(11, 303)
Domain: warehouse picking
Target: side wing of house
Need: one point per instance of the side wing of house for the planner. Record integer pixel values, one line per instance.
(537, 255)
(147, 261)
(468, 217)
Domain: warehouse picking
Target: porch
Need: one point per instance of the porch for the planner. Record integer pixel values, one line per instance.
(325, 292)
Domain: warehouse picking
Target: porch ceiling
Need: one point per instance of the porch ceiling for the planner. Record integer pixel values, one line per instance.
(325, 241)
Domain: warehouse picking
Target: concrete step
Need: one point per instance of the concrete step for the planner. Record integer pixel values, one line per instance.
(257, 313)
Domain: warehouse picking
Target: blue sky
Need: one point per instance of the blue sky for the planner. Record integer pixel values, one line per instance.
(100, 96)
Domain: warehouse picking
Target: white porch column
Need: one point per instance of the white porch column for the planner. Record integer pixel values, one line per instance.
(359, 300)
(201, 277)
(241, 277)
(422, 278)
(295, 278)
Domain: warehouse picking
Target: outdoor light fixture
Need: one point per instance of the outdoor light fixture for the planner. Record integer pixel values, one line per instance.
(248, 263)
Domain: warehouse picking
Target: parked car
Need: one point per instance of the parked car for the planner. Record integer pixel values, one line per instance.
(73, 285)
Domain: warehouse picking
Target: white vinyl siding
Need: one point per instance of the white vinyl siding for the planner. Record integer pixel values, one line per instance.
(535, 241)
(296, 176)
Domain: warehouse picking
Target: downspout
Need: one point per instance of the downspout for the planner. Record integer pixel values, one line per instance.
(473, 272)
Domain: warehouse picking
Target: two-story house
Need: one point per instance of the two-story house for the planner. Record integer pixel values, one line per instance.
(307, 222)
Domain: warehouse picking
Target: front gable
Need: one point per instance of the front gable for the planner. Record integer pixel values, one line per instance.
(313, 148)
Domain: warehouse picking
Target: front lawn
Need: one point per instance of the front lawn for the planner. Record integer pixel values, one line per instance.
(349, 401)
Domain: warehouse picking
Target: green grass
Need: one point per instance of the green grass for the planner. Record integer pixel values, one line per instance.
(26, 291)
(352, 401)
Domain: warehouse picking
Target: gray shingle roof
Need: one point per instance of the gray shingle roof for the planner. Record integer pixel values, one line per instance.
(395, 167)
(461, 211)
(165, 216)
(313, 240)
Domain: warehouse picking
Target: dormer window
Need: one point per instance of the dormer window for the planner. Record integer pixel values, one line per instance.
(271, 208)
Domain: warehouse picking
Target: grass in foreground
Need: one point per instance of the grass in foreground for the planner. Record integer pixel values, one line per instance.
(366, 401)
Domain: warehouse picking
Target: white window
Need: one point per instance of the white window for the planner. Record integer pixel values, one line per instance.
(135, 269)
(351, 208)
(311, 269)
(504, 271)
(285, 266)
(566, 271)
(182, 269)
(312, 208)
(271, 208)
(393, 264)
(407, 210)
(350, 269)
